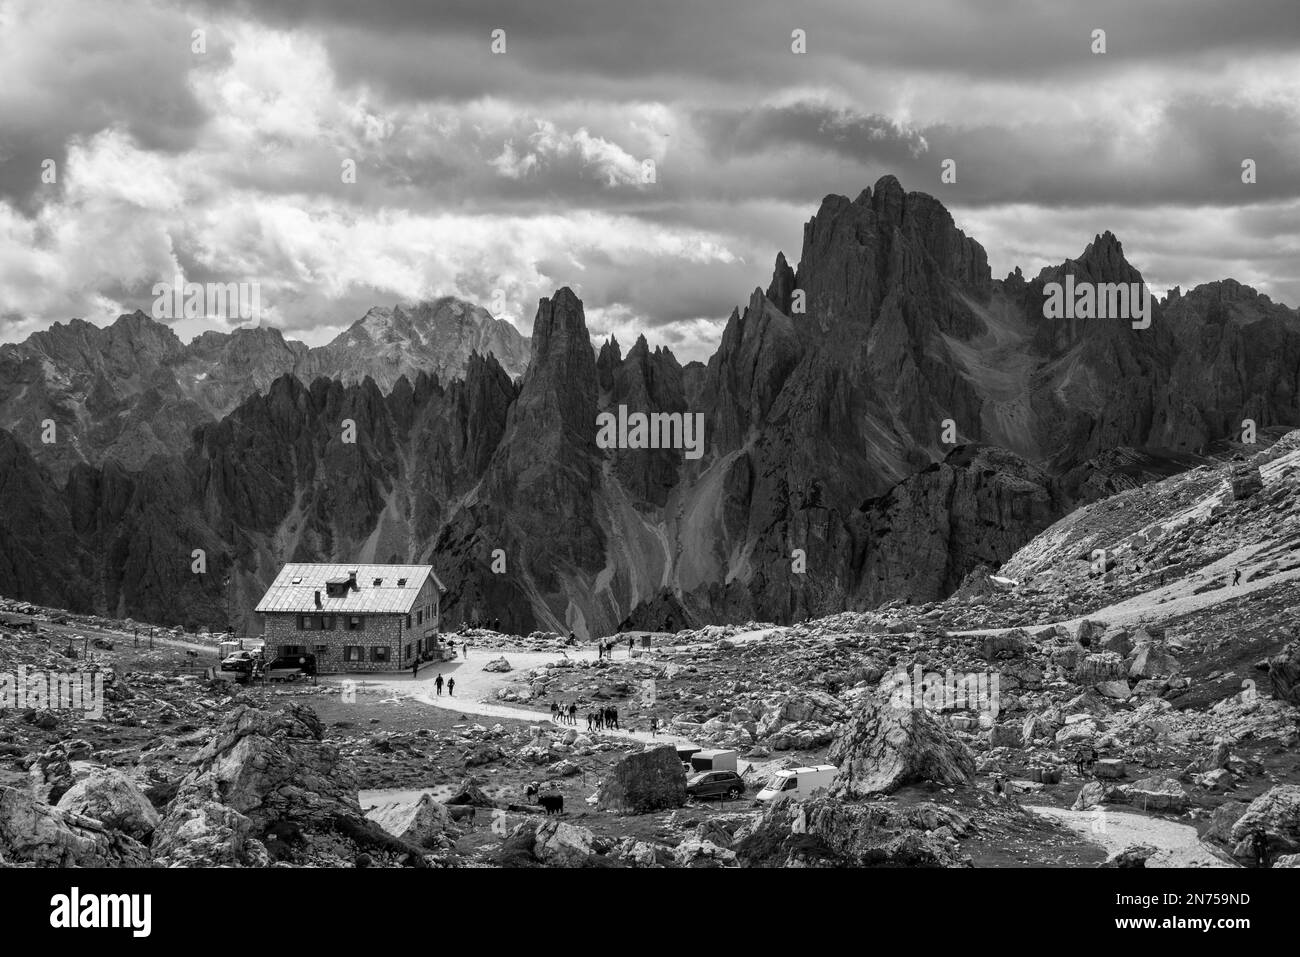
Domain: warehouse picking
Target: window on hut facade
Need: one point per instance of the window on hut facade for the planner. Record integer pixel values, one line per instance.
(380, 653)
(354, 653)
(356, 623)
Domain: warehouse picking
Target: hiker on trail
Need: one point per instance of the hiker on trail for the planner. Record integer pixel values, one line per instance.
(464, 650)
(451, 686)
(438, 684)
(654, 727)
(1259, 842)
(997, 786)
(555, 710)
(1236, 576)
(630, 642)
(415, 668)
(613, 714)
(573, 714)
(1078, 762)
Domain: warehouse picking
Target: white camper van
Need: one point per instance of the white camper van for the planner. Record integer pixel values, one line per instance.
(797, 783)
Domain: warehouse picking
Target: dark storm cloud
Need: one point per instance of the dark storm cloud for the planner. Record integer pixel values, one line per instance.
(870, 138)
(1193, 154)
(91, 71)
(679, 42)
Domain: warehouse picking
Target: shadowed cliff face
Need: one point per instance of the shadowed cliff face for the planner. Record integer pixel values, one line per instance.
(883, 419)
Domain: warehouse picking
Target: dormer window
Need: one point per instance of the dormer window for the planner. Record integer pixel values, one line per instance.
(401, 583)
(378, 582)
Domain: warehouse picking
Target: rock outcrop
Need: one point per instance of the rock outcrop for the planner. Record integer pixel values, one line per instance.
(36, 833)
(110, 797)
(1284, 673)
(270, 778)
(881, 748)
(644, 781)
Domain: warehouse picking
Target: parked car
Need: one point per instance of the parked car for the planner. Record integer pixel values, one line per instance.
(241, 661)
(797, 783)
(290, 667)
(716, 784)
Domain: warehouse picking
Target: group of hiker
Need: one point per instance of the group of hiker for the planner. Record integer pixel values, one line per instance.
(602, 718)
(480, 623)
(564, 715)
(605, 649)
(451, 685)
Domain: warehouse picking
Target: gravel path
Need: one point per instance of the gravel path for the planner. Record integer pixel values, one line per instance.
(1177, 597)
(1179, 845)
(476, 690)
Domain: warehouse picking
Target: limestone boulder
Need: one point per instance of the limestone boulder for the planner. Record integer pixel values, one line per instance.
(882, 747)
(1284, 673)
(1277, 811)
(425, 822)
(47, 836)
(644, 781)
(110, 797)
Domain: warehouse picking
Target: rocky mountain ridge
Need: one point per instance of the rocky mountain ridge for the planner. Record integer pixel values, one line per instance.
(132, 390)
(882, 420)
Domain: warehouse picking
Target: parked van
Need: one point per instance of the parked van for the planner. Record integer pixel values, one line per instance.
(797, 783)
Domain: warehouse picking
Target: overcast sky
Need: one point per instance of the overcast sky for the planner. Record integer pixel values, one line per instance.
(522, 171)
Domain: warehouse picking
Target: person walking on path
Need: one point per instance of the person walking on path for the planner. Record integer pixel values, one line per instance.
(555, 711)
(1236, 576)
(573, 714)
(464, 648)
(654, 727)
(415, 668)
(451, 686)
(630, 643)
(1259, 843)
(438, 684)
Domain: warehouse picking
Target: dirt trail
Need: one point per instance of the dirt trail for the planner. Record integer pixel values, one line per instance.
(476, 689)
(1178, 844)
(1177, 597)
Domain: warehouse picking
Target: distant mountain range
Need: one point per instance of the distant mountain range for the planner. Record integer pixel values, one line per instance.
(826, 482)
(133, 390)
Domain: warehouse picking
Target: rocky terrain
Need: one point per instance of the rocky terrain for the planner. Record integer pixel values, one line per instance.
(1137, 708)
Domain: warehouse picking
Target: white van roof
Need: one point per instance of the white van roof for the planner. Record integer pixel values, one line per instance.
(787, 772)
